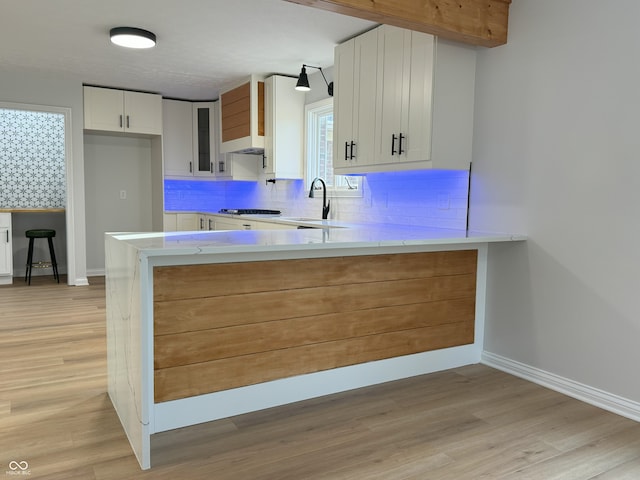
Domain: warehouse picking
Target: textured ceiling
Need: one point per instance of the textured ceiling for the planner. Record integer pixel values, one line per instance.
(203, 45)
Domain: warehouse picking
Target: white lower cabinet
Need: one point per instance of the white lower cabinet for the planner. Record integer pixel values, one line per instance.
(181, 222)
(228, 223)
(207, 222)
(187, 222)
(201, 221)
(6, 253)
(231, 224)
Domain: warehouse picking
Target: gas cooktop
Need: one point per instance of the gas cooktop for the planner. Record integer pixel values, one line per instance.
(249, 211)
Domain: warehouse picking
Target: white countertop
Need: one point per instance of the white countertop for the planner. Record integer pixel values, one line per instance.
(340, 235)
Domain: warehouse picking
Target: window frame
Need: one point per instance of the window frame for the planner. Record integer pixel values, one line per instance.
(311, 113)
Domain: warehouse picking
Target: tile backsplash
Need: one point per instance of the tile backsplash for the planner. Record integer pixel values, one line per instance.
(432, 198)
(32, 159)
(192, 195)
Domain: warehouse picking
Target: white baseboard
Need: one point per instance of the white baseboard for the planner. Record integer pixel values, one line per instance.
(227, 403)
(95, 272)
(599, 398)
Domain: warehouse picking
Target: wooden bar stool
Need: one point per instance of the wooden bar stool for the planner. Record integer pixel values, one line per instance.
(41, 233)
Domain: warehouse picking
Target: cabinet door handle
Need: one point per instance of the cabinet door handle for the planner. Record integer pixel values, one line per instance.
(7, 236)
(221, 166)
(400, 152)
(393, 144)
(247, 226)
(346, 151)
(351, 156)
(264, 161)
(190, 167)
(127, 121)
(210, 225)
(210, 167)
(120, 121)
(202, 224)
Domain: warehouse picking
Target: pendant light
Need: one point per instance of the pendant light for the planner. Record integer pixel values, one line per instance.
(131, 37)
(303, 80)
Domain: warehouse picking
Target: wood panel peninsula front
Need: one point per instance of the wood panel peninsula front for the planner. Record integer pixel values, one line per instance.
(207, 325)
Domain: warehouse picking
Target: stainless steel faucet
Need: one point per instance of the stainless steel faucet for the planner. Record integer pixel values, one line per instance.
(325, 204)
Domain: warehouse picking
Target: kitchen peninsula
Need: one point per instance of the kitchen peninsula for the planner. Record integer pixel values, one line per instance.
(207, 325)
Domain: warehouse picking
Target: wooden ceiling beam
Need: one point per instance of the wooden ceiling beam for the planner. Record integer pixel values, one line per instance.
(476, 22)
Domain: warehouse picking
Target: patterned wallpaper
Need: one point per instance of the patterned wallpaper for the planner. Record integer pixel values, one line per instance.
(32, 163)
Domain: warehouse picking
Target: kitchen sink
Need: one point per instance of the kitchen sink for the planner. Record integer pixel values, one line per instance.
(307, 222)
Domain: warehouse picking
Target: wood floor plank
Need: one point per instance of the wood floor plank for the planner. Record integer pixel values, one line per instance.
(626, 471)
(466, 423)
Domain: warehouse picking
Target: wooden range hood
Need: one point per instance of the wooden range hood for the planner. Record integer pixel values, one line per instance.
(475, 22)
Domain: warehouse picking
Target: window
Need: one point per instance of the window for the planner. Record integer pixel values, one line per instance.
(319, 152)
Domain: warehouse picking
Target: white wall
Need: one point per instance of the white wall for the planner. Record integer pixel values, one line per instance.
(35, 88)
(114, 164)
(555, 156)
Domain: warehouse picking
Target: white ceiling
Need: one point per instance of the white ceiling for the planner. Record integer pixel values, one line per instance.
(203, 45)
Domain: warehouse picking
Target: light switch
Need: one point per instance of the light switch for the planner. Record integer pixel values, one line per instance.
(123, 194)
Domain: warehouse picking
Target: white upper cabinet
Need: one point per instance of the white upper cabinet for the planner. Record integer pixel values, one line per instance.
(406, 88)
(233, 166)
(405, 102)
(284, 128)
(238, 166)
(242, 117)
(205, 147)
(189, 138)
(177, 138)
(355, 104)
(111, 110)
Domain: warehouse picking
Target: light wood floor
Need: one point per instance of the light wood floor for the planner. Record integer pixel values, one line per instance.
(468, 423)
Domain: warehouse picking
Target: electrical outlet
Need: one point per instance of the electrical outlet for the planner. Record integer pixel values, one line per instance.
(123, 194)
(443, 201)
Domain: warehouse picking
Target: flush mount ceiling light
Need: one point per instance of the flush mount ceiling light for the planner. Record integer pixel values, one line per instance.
(132, 37)
(303, 80)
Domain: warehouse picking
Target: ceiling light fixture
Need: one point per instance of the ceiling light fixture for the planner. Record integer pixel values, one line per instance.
(303, 80)
(132, 37)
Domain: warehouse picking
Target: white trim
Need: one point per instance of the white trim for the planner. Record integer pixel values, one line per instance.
(481, 295)
(313, 110)
(70, 206)
(96, 272)
(80, 282)
(228, 403)
(599, 398)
